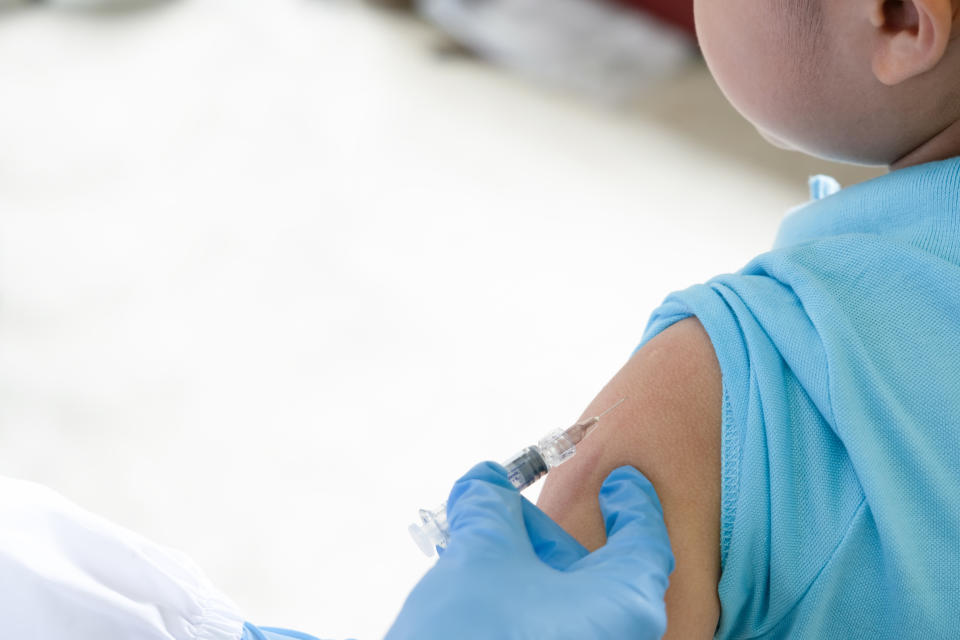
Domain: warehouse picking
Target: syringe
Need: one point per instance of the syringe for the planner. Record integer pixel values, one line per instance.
(524, 469)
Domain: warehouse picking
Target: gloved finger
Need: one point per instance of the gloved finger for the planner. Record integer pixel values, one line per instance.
(554, 546)
(638, 549)
(485, 513)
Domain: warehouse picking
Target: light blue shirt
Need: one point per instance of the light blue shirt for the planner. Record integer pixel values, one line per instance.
(840, 352)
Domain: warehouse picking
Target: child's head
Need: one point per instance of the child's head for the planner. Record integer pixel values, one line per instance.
(865, 81)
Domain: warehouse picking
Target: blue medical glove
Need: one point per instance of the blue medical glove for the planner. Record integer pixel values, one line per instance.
(253, 632)
(491, 583)
(552, 544)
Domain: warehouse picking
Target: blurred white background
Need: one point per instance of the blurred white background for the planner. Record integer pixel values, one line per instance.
(273, 273)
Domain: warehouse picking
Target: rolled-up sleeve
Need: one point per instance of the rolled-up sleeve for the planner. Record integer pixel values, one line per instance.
(788, 491)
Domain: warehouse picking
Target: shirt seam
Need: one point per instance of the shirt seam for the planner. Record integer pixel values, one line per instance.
(729, 476)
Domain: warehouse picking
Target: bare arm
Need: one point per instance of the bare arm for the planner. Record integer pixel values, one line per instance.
(669, 429)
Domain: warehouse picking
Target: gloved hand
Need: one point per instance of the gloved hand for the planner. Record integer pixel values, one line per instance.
(510, 573)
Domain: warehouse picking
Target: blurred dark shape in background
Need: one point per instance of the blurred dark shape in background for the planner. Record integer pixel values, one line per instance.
(98, 8)
(609, 50)
(394, 4)
(679, 13)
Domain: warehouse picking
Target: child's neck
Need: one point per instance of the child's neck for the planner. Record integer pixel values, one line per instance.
(945, 144)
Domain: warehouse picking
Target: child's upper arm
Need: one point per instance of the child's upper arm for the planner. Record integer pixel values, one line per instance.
(668, 428)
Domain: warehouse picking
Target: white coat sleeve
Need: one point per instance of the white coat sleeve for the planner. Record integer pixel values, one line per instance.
(68, 574)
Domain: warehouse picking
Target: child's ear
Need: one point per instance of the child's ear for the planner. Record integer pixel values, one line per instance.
(911, 37)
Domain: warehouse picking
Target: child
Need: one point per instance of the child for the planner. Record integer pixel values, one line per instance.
(800, 419)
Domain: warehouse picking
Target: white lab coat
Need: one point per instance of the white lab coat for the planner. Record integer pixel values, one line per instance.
(66, 574)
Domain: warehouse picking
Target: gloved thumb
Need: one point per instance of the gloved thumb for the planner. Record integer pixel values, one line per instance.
(485, 513)
(553, 545)
(637, 543)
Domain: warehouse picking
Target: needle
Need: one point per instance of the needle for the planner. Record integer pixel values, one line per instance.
(620, 402)
(586, 427)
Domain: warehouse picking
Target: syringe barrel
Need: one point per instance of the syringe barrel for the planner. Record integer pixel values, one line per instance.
(557, 447)
(432, 531)
(526, 467)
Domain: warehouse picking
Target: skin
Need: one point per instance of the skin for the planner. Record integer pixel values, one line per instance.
(669, 428)
(875, 84)
(862, 81)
